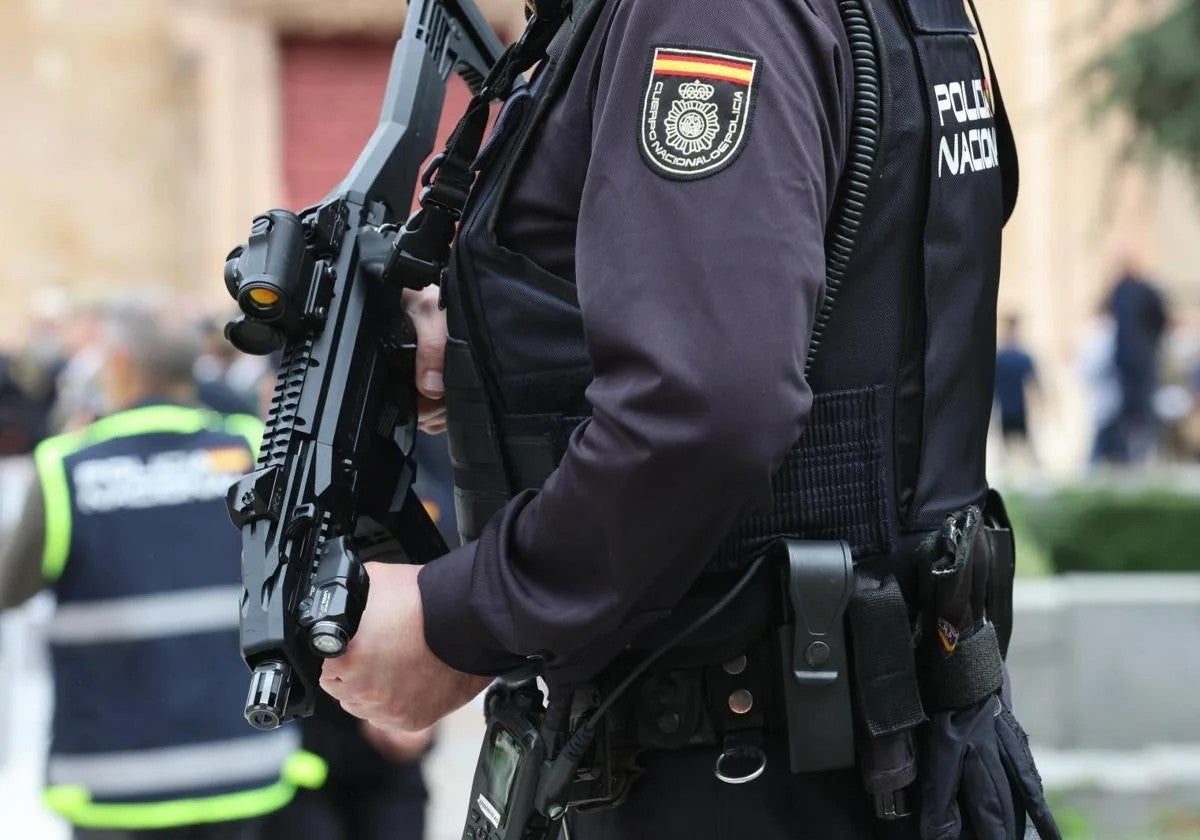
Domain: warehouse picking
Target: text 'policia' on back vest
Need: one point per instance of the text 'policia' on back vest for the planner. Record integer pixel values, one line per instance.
(902, 382)
(148, 686)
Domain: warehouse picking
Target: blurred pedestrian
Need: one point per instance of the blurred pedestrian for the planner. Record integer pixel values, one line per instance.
(127, 525)
(217, 369)
(28, 388)
(1098, 370)
(1016, 379)
(26, 392)
(1140, 317)
(79, 390)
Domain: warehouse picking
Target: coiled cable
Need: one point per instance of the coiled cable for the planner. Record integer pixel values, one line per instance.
(865, 131)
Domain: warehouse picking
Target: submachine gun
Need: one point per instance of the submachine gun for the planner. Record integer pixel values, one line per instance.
(333, 482)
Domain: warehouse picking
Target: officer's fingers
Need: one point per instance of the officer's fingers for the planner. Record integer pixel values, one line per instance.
(1023, 775)
(398, 744)
(332, 684)
(358, 710)
(985, 794)
(430, 324)
(431, 415)
(344, 679)
(940, 816)
(428, 409)
(434, 427)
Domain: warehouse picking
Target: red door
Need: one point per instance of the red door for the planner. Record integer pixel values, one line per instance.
(332, 92)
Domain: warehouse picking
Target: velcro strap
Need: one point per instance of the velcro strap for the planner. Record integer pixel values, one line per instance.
(964, 678)
(885, 675)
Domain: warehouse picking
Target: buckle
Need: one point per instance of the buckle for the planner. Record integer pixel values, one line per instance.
(444, 198)
(435, 165)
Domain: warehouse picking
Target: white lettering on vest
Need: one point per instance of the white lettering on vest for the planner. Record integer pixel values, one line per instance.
(965, 149)
(130, 482)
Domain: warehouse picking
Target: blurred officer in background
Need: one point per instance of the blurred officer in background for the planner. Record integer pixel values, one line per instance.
(127, 525)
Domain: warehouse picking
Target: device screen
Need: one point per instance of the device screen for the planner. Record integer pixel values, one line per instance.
(505, 754)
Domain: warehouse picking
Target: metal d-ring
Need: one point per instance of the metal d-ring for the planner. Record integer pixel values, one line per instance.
(722, 771)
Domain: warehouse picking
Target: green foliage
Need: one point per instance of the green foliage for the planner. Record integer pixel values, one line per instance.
(1074, 824)
(1153, 75)
(1111, 530)
(1032, 559)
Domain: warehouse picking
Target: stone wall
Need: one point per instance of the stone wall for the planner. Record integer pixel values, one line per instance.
(1107, 662)
(141, 136)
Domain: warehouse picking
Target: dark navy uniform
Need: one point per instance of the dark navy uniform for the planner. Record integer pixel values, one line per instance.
(661, 224)
(696, 297)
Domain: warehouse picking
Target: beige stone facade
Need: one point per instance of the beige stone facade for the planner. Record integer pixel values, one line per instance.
(140, 136)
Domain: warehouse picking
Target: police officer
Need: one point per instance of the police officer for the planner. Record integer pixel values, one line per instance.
(728, 276)
(127, 526)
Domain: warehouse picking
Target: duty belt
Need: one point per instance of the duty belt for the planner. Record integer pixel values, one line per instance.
(836, 668)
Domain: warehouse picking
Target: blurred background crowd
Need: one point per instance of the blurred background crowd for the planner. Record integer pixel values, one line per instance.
(147, 133)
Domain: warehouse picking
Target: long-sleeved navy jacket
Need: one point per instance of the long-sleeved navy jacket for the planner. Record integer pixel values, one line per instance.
(697, 297)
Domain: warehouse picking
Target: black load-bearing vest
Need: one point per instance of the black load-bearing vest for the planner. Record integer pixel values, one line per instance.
(902, 381)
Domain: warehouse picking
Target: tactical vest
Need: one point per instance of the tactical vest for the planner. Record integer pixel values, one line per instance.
(148, 687)
(902, 381)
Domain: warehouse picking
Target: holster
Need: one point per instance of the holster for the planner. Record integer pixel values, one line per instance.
(818, 582)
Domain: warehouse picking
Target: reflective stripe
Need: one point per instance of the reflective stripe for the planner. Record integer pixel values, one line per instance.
(52, 475)
(76, 806)
(302, 769)
(154, 418)
(305, 769)
(145, 772)
(146, 616)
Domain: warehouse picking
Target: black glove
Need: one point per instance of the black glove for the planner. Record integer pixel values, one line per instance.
(979, 780)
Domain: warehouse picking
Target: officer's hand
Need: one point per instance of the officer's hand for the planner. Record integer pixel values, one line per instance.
(430, 323)
(397, 745)
(388, 676)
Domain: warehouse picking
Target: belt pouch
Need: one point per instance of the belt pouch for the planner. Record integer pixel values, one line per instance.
(819, 580)
(889, 701)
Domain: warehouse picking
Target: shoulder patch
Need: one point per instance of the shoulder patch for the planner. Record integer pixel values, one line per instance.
(697, 110)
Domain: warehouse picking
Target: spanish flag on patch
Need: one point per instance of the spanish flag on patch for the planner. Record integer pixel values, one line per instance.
(703, 66)
(696, 111)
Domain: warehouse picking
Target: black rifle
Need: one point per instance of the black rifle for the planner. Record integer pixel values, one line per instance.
(333, 482)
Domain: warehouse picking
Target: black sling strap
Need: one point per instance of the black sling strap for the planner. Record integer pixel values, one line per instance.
(423, 244)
